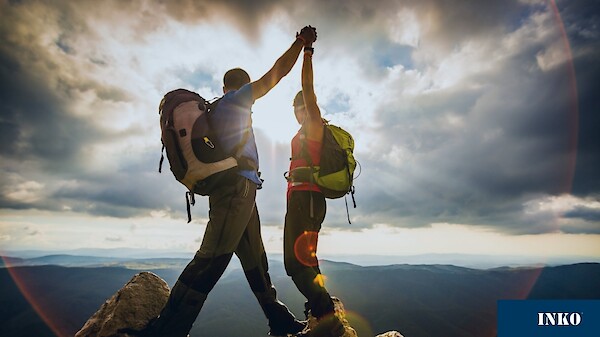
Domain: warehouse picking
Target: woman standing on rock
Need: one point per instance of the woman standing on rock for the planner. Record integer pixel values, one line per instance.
(306, 208)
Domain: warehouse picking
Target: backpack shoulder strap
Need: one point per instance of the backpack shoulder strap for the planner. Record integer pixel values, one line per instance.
(303, 148)
(211, 106)
(243, 162)
(239, 148)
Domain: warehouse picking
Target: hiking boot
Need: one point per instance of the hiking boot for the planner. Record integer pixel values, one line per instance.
(281, 321)
(287, 328)
(329, 326)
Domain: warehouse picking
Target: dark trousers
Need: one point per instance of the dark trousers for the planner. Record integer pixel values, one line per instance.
(234, 227)
(300, 238)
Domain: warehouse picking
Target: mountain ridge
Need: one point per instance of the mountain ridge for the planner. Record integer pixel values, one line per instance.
(422, 300)
(477, 261)
(75, 260)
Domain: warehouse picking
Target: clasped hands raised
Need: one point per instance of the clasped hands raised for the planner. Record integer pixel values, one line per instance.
(308, 35)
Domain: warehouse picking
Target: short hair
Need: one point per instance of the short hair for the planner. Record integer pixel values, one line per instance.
(299, 99)
(235, 78)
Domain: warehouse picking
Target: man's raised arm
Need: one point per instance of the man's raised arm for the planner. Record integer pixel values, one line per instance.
(283, 65)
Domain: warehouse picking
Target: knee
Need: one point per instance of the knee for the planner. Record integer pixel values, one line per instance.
(202, 274)
(292, 265)
(258, 279)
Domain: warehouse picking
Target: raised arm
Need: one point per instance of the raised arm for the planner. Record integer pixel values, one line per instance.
(314, 123)
(282, 66)
(308, 90)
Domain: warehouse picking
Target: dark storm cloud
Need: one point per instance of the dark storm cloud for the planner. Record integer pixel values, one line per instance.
(43, 137)
(37, 89)
(585, 213)
(510, 144)
(587, 178)
(35, 122)
(362, 28)
(581, 23)
(40, 136)
(249, 16)
(515, 144)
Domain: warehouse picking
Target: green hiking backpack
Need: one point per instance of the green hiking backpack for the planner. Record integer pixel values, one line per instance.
(335, 173)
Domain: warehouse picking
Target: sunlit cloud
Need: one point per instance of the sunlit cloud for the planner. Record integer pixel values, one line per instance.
(459, 110)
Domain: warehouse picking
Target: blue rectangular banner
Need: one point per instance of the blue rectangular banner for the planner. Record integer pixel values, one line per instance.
(549, 318)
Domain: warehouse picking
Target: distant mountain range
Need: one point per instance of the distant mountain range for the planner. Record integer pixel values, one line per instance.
(114, 256)
(95, 261)
(417, 300)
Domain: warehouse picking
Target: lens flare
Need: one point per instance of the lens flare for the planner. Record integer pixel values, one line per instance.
(320, 280)
(573, 120)
(359, 323)
(31, 283)
(305, 248)
(34, 289)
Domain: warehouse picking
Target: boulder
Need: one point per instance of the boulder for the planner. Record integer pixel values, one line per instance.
(140, 300)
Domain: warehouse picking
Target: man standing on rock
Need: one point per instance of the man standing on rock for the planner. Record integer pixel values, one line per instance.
(234, 225)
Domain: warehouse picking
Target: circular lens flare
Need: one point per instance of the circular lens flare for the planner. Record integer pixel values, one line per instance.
(305, 248)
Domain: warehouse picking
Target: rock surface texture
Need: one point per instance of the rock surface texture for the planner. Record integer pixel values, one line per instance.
(140, 300)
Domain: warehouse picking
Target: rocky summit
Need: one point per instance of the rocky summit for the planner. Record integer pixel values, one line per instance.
(142, 299)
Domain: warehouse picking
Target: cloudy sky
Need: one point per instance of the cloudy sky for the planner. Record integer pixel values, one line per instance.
(474, 120)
